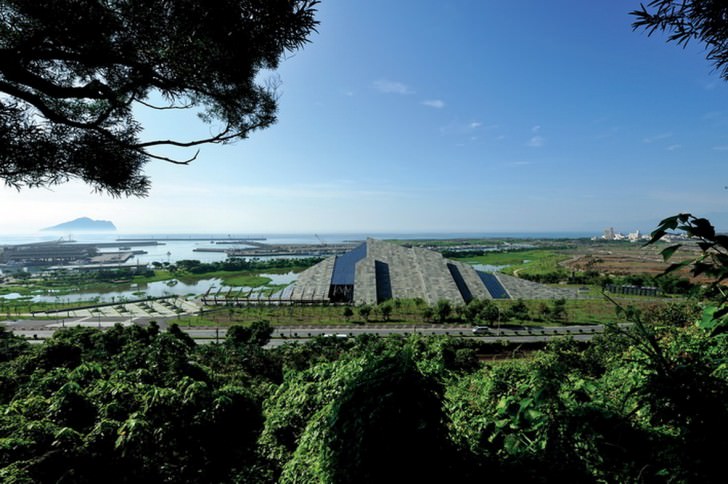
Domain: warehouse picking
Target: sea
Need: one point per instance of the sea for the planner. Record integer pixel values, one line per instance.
(175, 247)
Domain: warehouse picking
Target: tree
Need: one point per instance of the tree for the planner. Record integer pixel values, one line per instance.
(544, 311)
(443, 309)
(348, 313)
(489, 312)
(702, 20)
(257, 334)
(365, 311)
(712, 261)
(558, 312)
(387, 425)
(428, 313)
(472, 311)
(518, 311)
(386, 311)
(72, 73)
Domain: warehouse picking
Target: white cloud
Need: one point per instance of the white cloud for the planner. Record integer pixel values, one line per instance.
(721, 148)
(536, 141)
(657, 137)
(712, 115)
(536, 128)
(434, 103)
(392, 87)
(674, 147)
(458, 128)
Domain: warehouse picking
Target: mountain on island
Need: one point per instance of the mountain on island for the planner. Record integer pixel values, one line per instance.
(83, 224)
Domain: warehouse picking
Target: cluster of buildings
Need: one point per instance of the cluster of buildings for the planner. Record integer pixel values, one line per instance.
(610, 234)
(636, 236)
(63, 253)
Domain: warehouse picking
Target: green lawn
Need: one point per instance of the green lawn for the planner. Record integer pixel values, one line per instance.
(579, 311)
(534, 261)
(245, 279)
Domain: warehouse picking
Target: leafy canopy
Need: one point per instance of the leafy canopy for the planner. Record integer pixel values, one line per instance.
(701, 20)
(73, 71)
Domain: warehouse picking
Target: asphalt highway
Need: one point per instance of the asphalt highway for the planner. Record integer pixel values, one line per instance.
(40, 330)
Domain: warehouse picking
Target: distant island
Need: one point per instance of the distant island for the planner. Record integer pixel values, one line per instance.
(83, 224)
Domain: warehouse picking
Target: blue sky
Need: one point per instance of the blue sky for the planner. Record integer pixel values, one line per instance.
(438, 116)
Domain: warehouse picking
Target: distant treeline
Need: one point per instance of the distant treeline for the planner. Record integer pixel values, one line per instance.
(668, 283)
(242, 264)
(461, 254)
(64, 277)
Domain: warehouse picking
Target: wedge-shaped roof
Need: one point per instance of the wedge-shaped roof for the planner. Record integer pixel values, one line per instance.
(376, 271)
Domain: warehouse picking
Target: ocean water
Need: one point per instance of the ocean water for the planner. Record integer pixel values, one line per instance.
(183, 246)
(287, 238)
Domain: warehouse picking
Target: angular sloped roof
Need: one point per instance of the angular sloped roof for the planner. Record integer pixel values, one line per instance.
(378, 270)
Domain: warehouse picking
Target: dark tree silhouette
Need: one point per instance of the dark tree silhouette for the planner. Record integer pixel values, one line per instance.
(702, 20)
(71, 72)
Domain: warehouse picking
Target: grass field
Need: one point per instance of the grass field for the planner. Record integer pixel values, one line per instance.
(578, 311)
(536, 261)
(11, 307)
(248, 279)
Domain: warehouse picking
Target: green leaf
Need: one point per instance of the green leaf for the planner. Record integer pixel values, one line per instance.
(700, 268)
(525, 403)
(533, 414)
(669, 222)
(676, 266)
(511, 444)
(722, 240)
(713, 319)
(720, 312)
(669, 251)
(703, 229)
(656, 235)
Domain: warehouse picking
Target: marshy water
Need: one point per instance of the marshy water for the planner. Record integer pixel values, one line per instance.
(173, 287)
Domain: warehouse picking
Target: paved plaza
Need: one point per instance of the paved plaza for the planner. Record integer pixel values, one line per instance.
(149, 309)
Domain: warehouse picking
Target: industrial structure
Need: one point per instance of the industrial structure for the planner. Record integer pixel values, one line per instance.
(46, 253)
(376, 271)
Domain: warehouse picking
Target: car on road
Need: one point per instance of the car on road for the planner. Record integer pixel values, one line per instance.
(481, 330)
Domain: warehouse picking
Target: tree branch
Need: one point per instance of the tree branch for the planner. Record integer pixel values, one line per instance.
(171, 160)
(49, 113)
(162, 108)
(218, 138)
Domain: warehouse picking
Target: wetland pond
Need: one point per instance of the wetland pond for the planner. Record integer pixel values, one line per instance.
(171, 287)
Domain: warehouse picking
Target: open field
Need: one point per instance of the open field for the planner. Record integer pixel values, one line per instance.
(533, 261)
(627, 259)
(578, 311)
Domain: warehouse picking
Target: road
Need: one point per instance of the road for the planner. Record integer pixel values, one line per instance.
(41, 330)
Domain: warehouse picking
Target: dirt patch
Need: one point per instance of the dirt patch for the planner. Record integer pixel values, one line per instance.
(630, 260)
